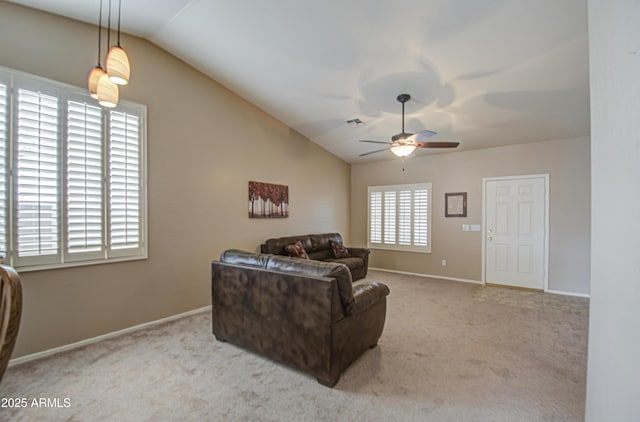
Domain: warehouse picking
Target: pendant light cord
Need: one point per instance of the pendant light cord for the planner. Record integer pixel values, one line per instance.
(109, 27)
(119, 10)
(99, 32)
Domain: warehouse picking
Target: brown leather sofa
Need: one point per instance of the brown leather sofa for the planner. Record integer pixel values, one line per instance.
(303, 313)
(319, 248)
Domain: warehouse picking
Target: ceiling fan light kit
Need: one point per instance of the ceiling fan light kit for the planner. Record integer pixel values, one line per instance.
(404, 144)
(403, 150)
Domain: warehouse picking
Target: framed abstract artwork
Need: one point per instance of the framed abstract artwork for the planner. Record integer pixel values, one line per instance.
(268, 200)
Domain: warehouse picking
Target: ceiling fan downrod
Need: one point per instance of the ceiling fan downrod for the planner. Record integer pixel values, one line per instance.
(403, 98)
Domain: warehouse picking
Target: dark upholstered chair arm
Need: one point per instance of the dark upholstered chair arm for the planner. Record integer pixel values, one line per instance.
(360, 252)
(367, 294)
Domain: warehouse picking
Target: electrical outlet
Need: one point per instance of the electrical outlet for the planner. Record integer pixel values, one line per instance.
(444, 262)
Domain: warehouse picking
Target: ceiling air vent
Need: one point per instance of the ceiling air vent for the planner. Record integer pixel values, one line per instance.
(355, 122)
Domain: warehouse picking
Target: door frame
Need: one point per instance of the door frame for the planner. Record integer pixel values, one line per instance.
(485, 180)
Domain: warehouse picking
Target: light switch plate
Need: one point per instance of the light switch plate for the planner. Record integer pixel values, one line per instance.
(475, 227)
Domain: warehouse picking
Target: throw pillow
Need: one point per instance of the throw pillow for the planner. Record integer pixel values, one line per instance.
(296, 250)
(339, 251)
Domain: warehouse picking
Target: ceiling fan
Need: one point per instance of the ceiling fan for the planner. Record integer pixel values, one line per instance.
(403, 143)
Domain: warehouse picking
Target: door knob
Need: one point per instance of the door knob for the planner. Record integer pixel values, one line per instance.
(489, 237)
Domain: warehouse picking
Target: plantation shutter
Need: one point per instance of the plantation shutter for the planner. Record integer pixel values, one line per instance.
(421, 217)
(4, 168)
(375, 217)
(399, 217)
(124, 182)
(390, 217)
(37, 177)
(84, 180)
(404, 217)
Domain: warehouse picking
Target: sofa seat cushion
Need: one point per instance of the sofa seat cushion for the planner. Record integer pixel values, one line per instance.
(352, 262)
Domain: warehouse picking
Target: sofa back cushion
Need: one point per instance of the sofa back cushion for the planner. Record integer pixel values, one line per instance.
(312, 243)
(276, 246)
(322, 269)
(320, 255)
(320, 242)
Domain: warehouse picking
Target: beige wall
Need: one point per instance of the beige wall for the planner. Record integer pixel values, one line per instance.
(566, 161)
(613, 371)
(205, 143)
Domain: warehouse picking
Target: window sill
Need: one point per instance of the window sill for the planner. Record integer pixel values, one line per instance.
(399, 249)
(47, 267)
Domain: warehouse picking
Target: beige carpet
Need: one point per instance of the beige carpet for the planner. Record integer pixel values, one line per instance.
(450, 352)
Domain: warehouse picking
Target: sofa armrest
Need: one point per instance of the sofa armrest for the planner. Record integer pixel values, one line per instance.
(360, 252)
(367, 294)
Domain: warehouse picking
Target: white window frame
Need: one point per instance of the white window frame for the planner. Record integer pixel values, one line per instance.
(386, 216)
(14, 81)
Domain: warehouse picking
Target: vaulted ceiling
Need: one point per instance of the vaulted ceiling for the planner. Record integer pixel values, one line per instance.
(486, 73)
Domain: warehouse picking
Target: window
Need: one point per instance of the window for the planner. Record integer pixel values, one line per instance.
(72, 181)
(399, 217)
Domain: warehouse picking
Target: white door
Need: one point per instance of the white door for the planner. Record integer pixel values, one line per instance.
(515, 237)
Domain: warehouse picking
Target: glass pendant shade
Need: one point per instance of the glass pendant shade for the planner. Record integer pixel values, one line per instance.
(107, 92)
(94, 76)
(118, 67)
(403, 150)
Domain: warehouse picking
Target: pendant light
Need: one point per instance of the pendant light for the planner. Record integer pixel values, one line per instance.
(118, 67)
(108, 94)
(98, 71)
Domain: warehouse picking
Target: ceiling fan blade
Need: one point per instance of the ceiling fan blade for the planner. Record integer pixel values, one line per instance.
(438, 144)
(377, 142)
(373, 152)
(425, 134)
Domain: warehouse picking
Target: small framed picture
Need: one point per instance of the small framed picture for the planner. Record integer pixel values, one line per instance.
(455, 204)
(268, 200)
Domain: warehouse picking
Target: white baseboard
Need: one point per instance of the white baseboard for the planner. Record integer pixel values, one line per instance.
(559, 292)
(67, 347)
(464, 280)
